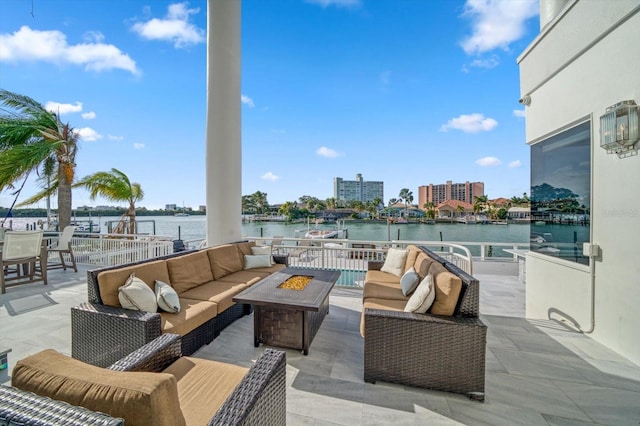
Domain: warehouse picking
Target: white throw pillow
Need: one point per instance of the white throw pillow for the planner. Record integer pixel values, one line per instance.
(262, 250)
(422, 299)
(137, 295)
(167, 297)
(409, 281)
(394, 263)
(257, 261)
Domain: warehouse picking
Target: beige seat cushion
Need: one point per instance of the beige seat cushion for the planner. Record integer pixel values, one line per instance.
(448, 287)
(189, 271)
(373, 303)
(203, 386)
(219, 292)
(110, 281)
(381, 277)
(381, 290)
(270, 270)
(139, 398)
(247, 276)
(224, 260)
(193, 313)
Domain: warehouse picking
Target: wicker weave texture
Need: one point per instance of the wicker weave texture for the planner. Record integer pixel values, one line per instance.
(19, 407)
(101, 335)
(260, 399)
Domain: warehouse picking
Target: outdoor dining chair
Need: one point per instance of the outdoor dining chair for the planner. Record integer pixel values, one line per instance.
(24, 251)
(62, 247)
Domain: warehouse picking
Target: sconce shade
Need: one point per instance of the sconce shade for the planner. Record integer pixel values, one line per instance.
(619, 127)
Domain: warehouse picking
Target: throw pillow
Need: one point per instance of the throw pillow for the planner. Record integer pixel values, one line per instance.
(137, 295)
(262, 250)
(167, 297)
(409, 281)
(257, 261)
(394, 263)
(422, 299)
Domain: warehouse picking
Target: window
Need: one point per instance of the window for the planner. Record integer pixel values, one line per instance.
(561, 193)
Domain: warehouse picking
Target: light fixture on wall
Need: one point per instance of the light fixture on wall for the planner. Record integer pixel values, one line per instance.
(619, 130)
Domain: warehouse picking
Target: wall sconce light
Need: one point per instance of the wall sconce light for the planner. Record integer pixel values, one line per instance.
(619, 128)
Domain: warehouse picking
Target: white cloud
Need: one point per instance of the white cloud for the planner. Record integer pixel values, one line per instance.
(488, 162)
(115, 138)
(175, 27)
(519, 113)
(88, 115)
(51, 46)
(470, 123)
(247, 101)
(63, 109)
(323, 151)
(486, 63)
(138, 146)
(515, 164)
(337, 3)
(496, 23)
(88, 134)
(269, 176)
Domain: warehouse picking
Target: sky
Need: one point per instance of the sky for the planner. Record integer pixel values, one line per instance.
(408, 92)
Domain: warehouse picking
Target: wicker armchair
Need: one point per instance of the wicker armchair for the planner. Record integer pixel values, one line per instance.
(437, 352)
(259, 399)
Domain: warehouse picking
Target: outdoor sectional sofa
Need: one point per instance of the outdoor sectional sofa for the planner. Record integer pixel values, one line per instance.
(205, 280)
(154, 385)
(441, 352)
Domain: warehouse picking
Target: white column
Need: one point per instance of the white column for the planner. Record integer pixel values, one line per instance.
(223, 135)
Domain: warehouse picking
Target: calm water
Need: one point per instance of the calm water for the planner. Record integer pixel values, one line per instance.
(193, 228)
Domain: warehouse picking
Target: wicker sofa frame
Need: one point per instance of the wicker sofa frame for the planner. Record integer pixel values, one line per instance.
(259, 399)
(100, 334)
(444, 353)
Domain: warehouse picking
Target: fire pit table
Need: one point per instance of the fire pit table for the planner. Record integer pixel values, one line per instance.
(289, 306)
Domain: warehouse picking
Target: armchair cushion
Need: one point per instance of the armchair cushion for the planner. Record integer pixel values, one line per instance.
(137, 397)
(194, 375)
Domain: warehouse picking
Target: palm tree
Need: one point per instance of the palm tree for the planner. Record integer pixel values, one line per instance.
(406, 196)
(480, 203)
(115, 186)
(34, 139)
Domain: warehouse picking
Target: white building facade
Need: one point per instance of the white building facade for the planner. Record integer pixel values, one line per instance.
(357, 190)
(585, 59)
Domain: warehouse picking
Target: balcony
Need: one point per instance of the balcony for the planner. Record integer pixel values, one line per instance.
(538, 371)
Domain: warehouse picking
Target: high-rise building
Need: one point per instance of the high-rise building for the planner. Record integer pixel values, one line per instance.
(437, 194)
(357, 190)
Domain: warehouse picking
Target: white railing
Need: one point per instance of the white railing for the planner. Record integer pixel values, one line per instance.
(117, 249)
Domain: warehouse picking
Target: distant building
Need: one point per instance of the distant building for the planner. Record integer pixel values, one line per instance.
(437, 194)
(106, 208)
(170, 207)
(202, 208)
(357, 190)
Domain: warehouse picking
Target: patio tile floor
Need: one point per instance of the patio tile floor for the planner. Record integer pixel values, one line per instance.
(538, 371)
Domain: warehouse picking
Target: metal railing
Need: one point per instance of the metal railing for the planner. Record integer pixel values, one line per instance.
(117, 249)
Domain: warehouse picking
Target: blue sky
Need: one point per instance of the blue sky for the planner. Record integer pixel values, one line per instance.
(408, 92)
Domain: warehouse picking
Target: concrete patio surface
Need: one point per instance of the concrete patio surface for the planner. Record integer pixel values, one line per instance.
(538, 372)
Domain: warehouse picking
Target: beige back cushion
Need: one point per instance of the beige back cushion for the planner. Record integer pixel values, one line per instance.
(189, 271)
(110, 281)
(422, 264)
(245, 248)
(139, 398)
(412, 253)
(448, 287)
(225, 260)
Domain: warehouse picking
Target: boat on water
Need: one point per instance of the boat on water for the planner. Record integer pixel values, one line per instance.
(316, 234)
(181, 214)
